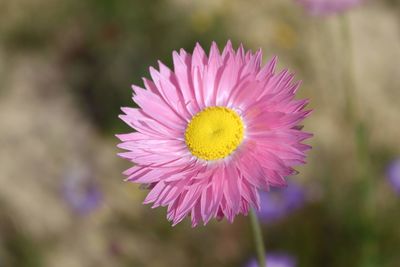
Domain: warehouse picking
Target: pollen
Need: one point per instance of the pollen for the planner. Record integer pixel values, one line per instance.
(214, 133)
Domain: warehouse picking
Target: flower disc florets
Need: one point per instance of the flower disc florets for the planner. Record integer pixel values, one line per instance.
(214, 133)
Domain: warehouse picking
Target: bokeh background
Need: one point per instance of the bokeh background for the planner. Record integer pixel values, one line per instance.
(65, 70)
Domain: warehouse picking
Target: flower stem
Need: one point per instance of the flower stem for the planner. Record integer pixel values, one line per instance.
(365, 170)
(348, 69)
(258, 239)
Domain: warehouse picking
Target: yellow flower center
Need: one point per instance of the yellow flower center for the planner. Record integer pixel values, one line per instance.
(214, 133)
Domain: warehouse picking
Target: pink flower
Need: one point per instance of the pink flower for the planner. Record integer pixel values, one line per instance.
(328, 7)
(212, 132)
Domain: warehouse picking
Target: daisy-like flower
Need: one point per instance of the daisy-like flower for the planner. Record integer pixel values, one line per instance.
(213, 131)
(328, 7)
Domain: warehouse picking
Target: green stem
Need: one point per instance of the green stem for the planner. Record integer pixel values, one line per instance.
(360, 129)
(365, 170)
(258, 239)
(348, 69)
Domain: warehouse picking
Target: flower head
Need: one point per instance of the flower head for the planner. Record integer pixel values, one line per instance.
(212, 132)
(393, 174)
(277, 203)
(328, 7)
(275, 260)
(80, 191)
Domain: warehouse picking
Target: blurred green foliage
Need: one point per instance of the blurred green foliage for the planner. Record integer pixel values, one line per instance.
(16, 247)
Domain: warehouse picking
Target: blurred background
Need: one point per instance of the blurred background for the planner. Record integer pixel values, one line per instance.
(65, 70)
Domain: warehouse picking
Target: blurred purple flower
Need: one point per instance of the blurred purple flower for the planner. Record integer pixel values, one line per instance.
(275, 260)
(327, 7)
(80, 191)
(278, 202)
(393, 174)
